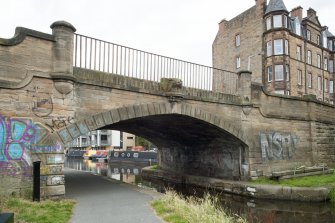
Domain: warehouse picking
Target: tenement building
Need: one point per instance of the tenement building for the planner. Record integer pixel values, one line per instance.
(286, 52)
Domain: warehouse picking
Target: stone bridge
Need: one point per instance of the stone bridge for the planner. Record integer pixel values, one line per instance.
(46, 102)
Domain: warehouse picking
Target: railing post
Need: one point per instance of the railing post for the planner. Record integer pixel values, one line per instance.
(63, 33)
(244, 86)
(36, 180)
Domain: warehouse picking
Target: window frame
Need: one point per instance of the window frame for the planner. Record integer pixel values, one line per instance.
(309, 80)
(287, 50)
(269, 71)
(309, 57)
(280, 46)
(299, 77)
(277, 21)
(276, 77)
(298, 52)
(318, 60)
(269, 50)
(268, 23)
(319, 83)
(308, 35)
(287, 72)
(325, 63)
(238, 62)
(237, 40)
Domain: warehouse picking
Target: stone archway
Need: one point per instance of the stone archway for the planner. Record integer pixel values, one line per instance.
(223, 156)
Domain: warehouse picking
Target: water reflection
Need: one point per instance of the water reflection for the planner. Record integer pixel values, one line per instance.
(264, 211)
(125, 172)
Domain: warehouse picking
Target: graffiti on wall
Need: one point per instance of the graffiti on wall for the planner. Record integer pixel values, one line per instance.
(19, 138)
(276, 145)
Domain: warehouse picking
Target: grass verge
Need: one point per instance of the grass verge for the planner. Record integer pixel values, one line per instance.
(38, 212)
(327, 180)
(175, 209)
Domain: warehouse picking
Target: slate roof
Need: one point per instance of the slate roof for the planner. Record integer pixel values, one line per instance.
(275, 5)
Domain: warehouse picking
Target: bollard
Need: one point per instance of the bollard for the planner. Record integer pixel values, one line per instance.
(36, 181)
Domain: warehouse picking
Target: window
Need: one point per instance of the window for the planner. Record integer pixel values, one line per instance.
(318, 61)
(326, 85)
(298, 52)
(286, 47)
(325, 64)
(309, 80)
(331, 66)
(318, 39)
(319, 83)
(330, 45)
(299, 77)
(309, 57)
(308, 34)
(237, 40)
(130, 137)
(297, 26)
(278, 46)
(269, 48)
(331, 86)
(288, 92)
(103, 137)
(279, 91)
(269, 71)
(287, 72)
(279, 74)
(238, 62)
(268, 23)
(324, 39)
(277, 21)
(285, 21)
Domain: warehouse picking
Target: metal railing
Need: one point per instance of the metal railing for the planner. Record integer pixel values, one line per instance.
(99, 55)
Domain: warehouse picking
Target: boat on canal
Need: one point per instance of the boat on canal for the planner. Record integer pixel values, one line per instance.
(149, 157)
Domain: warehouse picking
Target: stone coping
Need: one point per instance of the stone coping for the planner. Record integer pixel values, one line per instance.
(243, 188)
(20, 35)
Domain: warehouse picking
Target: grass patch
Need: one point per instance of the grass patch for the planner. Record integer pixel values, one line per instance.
(327, 180)
(38, 212)
(175, 209)
(154, 167)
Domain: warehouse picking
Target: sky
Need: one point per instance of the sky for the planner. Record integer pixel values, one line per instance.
(182, 29)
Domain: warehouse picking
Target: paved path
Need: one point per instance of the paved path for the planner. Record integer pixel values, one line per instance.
(100, 200)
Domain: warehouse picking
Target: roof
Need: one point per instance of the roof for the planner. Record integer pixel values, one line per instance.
(275, 5)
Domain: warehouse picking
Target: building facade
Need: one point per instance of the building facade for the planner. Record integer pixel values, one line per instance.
(286, 52)
(103, 139)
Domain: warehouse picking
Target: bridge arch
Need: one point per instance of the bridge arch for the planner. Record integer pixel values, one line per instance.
(190, 140)
(120, 114)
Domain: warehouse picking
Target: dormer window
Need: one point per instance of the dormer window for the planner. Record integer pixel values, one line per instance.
(297, 27)
(277, 21)
(268, 23)
(285, 21)
(324, 39)
(318, 39)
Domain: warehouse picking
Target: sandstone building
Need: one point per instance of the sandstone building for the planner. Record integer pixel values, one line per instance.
(286, 52)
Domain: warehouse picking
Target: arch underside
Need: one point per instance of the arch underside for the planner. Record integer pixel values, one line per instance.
(190, 140)
(188, 145)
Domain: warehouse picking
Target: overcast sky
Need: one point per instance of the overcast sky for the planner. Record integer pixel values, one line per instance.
(183, 29)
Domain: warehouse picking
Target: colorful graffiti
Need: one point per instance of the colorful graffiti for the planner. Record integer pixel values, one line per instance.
(19, 138)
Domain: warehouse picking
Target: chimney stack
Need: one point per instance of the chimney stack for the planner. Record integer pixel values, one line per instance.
(297, 13)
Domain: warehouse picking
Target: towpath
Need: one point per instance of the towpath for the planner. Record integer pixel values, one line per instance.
(105, 201)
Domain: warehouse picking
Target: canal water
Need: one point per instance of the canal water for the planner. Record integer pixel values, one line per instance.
(255, 211)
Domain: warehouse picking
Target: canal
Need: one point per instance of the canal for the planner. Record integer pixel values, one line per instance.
(254, 210)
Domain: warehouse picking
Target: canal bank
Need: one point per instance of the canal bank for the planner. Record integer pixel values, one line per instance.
(306, 194)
